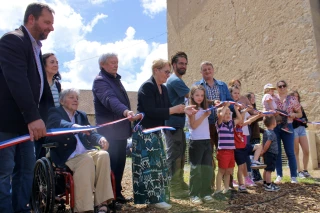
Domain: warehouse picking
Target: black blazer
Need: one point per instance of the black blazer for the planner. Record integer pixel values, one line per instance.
(58, 118)
(20, 84)
(153, 104)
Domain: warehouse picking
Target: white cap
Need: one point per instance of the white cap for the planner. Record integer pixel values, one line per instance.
(269, 86)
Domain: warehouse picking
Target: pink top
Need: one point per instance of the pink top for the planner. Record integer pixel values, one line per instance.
(293, 105)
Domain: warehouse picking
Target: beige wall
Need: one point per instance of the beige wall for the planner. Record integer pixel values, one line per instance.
(256, 41)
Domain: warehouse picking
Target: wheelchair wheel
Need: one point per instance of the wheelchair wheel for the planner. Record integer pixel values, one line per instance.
(43, 187)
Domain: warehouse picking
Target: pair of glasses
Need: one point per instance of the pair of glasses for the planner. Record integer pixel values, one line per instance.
(282, 86)
(167, 72)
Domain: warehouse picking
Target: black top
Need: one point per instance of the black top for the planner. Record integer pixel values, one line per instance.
(154, 105)
(296, 124)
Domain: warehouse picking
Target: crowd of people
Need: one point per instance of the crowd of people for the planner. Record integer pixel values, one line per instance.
(223, 127)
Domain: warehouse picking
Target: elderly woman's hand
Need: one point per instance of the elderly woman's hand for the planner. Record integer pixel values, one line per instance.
(104, 143)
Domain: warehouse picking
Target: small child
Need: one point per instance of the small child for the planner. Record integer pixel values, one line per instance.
(242, 151)
(269, 104)
(269, 152)
(200, 149)
(226, 146)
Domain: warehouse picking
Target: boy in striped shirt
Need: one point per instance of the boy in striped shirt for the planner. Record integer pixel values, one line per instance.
(226, 145)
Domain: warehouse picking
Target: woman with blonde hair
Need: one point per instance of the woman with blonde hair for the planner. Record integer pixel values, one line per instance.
(150, 172)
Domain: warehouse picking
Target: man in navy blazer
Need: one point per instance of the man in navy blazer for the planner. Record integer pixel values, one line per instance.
(25, 97)
(90, 166)
(58, 118)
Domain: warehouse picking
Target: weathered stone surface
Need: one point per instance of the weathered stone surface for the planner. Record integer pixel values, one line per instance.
(257, 42)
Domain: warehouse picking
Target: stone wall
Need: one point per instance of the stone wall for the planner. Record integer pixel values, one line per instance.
(257, 42)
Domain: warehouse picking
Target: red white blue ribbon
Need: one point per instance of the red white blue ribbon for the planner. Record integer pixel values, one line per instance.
(61, 131)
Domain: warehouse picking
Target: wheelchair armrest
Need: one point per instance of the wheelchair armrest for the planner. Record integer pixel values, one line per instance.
(50, 145)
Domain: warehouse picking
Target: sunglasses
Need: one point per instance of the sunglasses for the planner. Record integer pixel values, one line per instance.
(282, 86)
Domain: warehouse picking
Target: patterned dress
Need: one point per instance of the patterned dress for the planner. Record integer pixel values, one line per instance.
(149, 169)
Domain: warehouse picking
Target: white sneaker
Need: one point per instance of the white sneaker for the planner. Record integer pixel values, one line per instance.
(196, 200)
(301, 175)
(278, 179)
(208, 199)
(163, 205)
(294, 180)
(257, 162)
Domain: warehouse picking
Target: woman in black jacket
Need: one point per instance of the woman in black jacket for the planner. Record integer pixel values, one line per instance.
(150, 172)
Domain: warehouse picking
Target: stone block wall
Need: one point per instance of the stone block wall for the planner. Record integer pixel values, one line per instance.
(257, 42)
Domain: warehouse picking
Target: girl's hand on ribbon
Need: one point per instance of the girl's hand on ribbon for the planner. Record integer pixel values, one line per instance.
(207, 113)
(216, 102)
(190, 110)
(227, 104)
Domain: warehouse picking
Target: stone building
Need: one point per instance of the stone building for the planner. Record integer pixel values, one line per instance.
(86, 103)
(257, 42)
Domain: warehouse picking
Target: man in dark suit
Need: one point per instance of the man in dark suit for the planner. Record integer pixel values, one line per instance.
(25, 97)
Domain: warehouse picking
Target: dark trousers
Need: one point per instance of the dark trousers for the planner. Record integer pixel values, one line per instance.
(117, 153)
(175, 148)
(200, 152)
(214, 145)
(17, 162)
(39, 150)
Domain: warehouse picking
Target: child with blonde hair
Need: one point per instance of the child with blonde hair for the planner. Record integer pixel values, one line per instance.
(226, 145)
(200, 149)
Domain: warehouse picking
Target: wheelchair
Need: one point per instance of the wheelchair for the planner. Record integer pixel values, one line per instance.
(53, 187)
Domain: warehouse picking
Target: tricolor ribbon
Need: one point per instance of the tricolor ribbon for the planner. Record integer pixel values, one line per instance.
(158, 128)
(61, 131)
(298, 119)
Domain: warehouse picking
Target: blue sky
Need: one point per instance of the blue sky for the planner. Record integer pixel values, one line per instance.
(84, 29)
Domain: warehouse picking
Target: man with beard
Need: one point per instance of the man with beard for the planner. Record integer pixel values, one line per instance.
(25, 98)
(176, 139)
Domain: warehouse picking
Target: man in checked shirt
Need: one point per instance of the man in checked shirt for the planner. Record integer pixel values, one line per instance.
(216, 91)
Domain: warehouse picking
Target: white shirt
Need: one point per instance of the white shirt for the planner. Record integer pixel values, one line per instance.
(202, 132)
(245, 128)
(80, 149)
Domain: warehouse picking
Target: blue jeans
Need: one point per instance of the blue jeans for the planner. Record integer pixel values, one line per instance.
(288, 144)
(17, 162)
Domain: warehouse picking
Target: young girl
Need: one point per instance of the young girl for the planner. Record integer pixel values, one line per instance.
(244, 149)
(226, 145)
(200, 149)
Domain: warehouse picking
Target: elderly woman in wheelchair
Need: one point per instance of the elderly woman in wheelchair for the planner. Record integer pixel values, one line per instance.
(90, 166)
